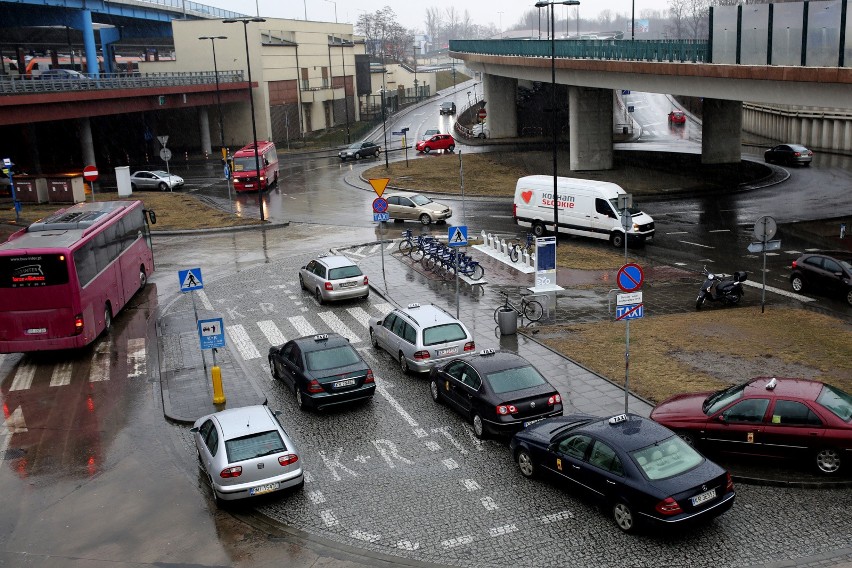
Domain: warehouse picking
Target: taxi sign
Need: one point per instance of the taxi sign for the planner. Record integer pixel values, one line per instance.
(487, 352)
(617, 419)
(320, 336)
(413, 305)
(211, 333)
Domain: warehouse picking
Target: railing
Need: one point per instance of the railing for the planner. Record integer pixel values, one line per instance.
(693, 51)
(22, 85)
(188, 7)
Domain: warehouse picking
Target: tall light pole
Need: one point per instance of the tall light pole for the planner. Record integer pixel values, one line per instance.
(218, 94)
(335, 10)
(345, 100)
(245, 22)
(384, 119)
(501, 24)
(414, 53)
(553, 124)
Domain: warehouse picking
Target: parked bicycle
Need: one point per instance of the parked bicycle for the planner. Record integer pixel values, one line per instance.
(414, 246)
(529, 309)
(517, 247)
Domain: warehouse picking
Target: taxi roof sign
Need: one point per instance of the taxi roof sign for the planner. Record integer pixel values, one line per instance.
(485, 352)
(320, 337)
(379, 185)
(618, 419)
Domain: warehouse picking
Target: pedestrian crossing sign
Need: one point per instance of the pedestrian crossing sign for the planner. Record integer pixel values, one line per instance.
(457, 236)
(190, 280)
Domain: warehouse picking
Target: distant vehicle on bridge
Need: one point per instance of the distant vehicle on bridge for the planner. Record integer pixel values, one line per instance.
(64, 278)
(245, 167)
(40, 65)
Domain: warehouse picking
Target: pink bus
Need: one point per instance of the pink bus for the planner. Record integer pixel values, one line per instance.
(63, 278)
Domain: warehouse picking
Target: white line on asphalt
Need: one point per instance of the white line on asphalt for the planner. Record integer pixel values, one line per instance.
(328, 518)
(812, 250)
(23, 377)
(458, 541)
(205, 301)
(137, 365)
(101, 362)
(390, 246)
(678, 233)
(272, 333)
(779, 291)
(62, 374)
(359, 250)
(365, 536)
(302, 326)
(680, 264)
(720, 231)
(240, 338)
(553, 517)
(696, 244)
(501, 216)
(337, 326)
(792, 252)
(500, 531)
(361, 315)
(316, 497)
(450, 463)
(395, 405)
(374, 249)
(384, 307)
(350, 253)
(470, 484)
(488, 503)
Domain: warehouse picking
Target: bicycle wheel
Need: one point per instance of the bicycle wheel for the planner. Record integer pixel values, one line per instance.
(533, 310)
(405, 247)
(416, 254)
(429, 262)
(477, 272)
(514, 253)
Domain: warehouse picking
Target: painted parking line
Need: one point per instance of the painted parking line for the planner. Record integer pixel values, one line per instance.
(780, 291)
(382, 390)
(720, 231)
(240, 339)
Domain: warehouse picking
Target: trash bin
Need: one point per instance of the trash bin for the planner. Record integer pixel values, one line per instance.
(507, 321)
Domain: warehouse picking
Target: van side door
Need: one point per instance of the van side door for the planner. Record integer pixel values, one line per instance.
(603, 218)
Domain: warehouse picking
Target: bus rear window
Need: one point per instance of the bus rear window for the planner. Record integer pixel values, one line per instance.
(31, 271)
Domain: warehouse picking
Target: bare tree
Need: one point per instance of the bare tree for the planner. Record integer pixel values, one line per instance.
(434, 22)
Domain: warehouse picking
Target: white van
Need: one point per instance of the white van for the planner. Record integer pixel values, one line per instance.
(586, 207)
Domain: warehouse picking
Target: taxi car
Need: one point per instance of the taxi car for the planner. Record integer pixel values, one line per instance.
(641, 471)
(437, 142)
(416, 206)
(499, 392)
(334, 277)
(420, 337)
(767, 416)
(245, 452)
(677, 117)
(322, 370)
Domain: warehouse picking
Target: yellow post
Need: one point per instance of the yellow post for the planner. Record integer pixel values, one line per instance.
(218, 393)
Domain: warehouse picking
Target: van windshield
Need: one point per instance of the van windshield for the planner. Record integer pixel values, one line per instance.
(245, 164)
(632, 210)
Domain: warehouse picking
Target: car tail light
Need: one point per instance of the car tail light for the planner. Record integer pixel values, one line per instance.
(794, 264)
(729, 486)
(229, 472)
(78, 324)
(314, 386)
(470, 346)
(370, 378)
(668, 506)
(366, 281)
(515, 210)
(420, 355)
(328, 286)
(505, 409)
(288, 459)
(555, 399)
(797, 154)
(810, 153)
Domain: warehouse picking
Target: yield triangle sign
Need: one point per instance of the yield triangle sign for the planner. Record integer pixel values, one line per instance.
(163, 140)
(379, 185)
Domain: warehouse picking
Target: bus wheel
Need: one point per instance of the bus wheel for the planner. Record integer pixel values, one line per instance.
(143, 278)
(107, 317)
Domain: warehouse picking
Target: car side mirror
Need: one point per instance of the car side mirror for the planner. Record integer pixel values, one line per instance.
(304, 267)
(194, 429)
(277, 413)
(380, 322)
(722, 418)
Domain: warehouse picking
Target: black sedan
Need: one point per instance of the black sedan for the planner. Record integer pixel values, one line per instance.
(640, 470)
(360, 150)
(323, 370)
(829, 274)
(499, 392)
(790, 154)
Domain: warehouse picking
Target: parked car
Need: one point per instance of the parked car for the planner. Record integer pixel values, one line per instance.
(790, 154)
(410, 206)
(156, 179)
(61, 75)
(766, 416)
(829, 274)
(499, 392)
(437, 142)
(430, 133)
(322, 370)
(420, 337)
(332, 278)
(448, 108)
(641, 472)
(677, 117)
(481, 131)
(360, 150)
(245, 452)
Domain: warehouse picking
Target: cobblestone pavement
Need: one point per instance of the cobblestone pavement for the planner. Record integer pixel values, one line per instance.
(404, 477)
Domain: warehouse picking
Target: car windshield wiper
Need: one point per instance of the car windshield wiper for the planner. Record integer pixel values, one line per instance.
(275, 451)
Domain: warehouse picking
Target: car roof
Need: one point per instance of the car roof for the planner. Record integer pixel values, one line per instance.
(401, 194)
(427, 315)
(448, 103)
(487, 362)
(790, 387)
(320, 341)
(335, 261)
(236, 422)
(634, 433)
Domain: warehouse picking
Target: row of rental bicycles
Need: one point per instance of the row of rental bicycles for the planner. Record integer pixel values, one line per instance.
(439, 258)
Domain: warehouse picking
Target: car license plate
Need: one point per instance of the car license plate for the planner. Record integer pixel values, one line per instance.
(704, 497)
(530, 422)
(36, 330)
(261, 489)
(249, 185)
(344, 383)
(447, 351)
(348, 284)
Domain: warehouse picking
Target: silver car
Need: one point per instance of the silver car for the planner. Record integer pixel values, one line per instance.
(415, 206)
(421, 337)
(156, 179)
(331, 278)
(245, 452)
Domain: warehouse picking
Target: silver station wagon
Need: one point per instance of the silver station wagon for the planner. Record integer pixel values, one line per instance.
(420, 337)
(246, 452)
(331, 278)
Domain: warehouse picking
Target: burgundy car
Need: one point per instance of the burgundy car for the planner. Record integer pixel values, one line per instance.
(437, 142)
(766, 416)
(677, 117)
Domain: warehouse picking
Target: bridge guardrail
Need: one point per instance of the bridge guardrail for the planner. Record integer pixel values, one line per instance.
(24, 85)
(683, 51)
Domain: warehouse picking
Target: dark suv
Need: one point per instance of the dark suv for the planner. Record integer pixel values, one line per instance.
(448, 108)
(828, 273)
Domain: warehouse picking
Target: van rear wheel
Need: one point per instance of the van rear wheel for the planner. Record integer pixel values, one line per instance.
(538, 229)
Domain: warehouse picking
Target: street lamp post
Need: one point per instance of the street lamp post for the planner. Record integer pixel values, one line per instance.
(414, 53)
(384, 118)
(335, 10)
(501, 24)
(218, 94)
(345, 100)
(553, 125)
(245, 22)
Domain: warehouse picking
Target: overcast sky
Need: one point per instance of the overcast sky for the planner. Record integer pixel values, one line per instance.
(412, 14)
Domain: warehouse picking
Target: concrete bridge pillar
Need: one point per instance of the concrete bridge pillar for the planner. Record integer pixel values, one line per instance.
(590, 113)
(83, 22)
(499, 94)
(204, 125)
(722, 124)
(84, 128)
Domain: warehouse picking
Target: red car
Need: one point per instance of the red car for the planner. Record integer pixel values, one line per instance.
(677, 117)
(766, 416)
(437, 142)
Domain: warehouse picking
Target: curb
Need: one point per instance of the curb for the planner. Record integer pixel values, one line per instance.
(235, 228)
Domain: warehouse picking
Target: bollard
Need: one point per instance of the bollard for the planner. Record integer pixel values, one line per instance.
(218, 393)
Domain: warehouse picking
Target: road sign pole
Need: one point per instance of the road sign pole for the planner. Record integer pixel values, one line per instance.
(195, 311)
(627, 368)
(456, 261)
(382, 241)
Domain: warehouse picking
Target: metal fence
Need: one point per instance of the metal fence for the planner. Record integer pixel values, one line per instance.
(103, 81)
(692, 51)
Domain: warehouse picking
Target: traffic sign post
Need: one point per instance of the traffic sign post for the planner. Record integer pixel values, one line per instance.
(629, 306)
(7, 169)
(90, 174)
(381, 216)
(481, 115)
(630, 277)
(457, 237)
(764, 229)
(211, 335)
(166, 155)
(190, 280)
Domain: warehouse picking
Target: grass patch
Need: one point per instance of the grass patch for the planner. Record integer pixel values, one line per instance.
(670, 354)
(444, 79)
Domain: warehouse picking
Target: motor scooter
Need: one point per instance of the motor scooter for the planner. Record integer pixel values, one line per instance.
(728, 289)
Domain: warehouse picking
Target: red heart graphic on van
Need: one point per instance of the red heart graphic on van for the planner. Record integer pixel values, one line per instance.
(526, 195)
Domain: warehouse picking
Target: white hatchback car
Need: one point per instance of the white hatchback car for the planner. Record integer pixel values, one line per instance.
(331, 278)
(245, 452)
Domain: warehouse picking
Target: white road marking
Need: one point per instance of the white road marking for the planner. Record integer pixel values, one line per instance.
(407, 545)
(720, 231)
(489, 503)
(137, 359)
(793, 252)
(337, 326)
(432, 446)
(23, 377)
(696, 244)
(374, 249)
(678, 233)
(500, 531)
(501, 216)
(458, 541)
(101, 362)
(302, 326)
(382, 390)
(205, 301)
(361, 315)
(365, 536)
(328, 518)
(316, 497)
(450, 463)
(390, 246)
(553, 517)
(470, 484)
(780, 291)
(272, 333)
(384, 307)
(240, 338)
(62, 374)
(350, 253)
(359, 251)
(680, 264)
